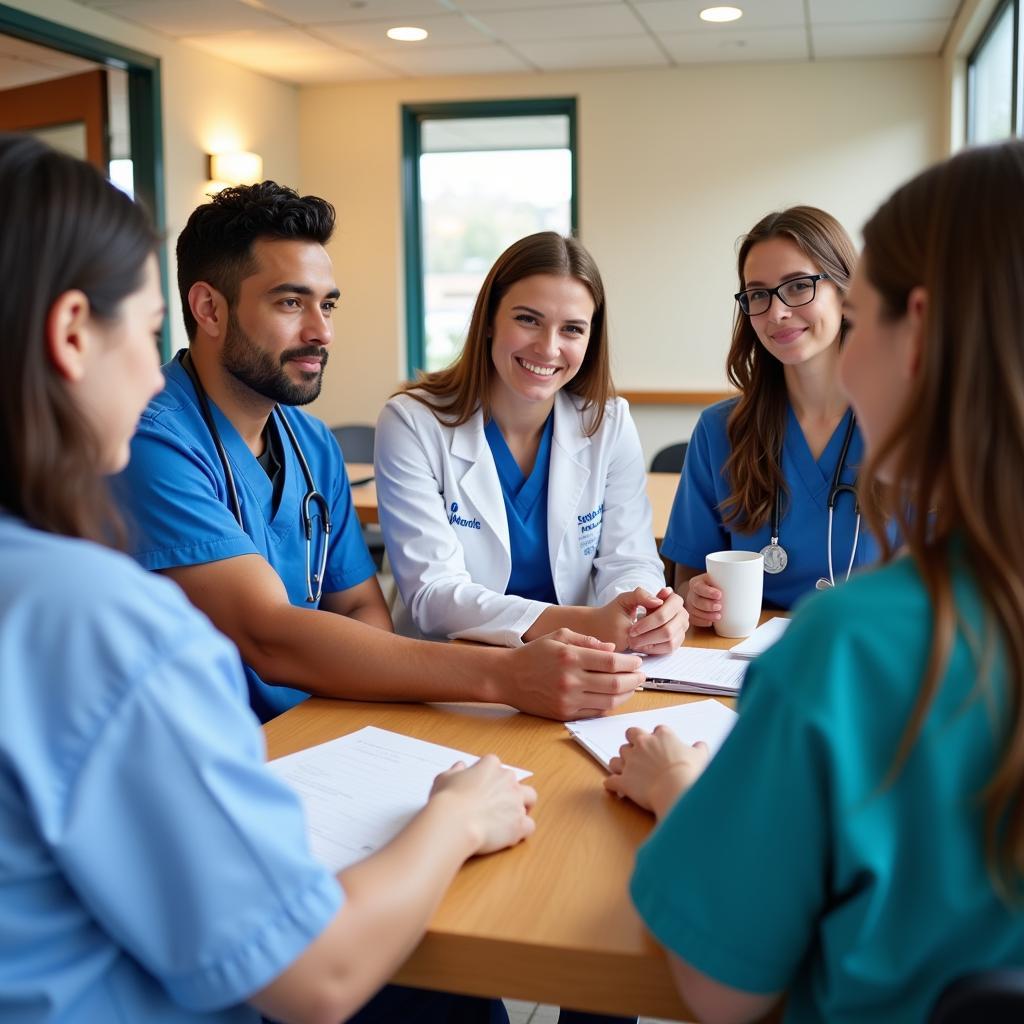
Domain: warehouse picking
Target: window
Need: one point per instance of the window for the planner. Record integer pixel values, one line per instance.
(477, 176)
(994, 78)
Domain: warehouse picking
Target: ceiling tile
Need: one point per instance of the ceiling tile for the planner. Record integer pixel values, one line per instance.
(736, 45)
(888, 39)
(446, 30)
(15, 72)
(842, 12)
(473, 6)
(193, 17)
(458, 60)
(632, 51)
(313, 12)
(563, 23)
(683, 15)
(286, 54)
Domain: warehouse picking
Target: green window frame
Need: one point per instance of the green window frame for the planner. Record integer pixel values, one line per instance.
(144, 106)
(413, 117)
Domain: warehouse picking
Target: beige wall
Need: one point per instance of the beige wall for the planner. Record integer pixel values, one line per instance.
(207, 104)
(674, 165)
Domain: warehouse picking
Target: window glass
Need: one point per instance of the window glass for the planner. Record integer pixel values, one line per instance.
(992, 83)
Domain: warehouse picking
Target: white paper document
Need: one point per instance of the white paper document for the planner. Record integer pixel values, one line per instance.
(706, 720)
(761, 639)
(695, 670)
(359, 791)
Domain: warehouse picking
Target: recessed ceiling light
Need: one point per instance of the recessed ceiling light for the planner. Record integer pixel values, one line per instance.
(721, 14)
(407, 34)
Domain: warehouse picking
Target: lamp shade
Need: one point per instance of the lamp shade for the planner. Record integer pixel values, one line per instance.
(236, 168)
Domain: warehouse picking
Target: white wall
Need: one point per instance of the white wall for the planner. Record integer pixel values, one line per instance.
(208, 105)
(674, 166)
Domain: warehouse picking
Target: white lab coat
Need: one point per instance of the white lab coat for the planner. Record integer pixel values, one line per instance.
(444, 523)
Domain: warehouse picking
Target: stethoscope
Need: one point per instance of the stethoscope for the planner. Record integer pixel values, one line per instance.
(312, 503)
(775, 556)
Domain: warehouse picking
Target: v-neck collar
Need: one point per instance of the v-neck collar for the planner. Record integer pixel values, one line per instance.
(816, 475)
(245, 465)
(522, 490)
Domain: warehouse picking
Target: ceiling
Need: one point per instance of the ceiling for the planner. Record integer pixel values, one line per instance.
(309, 41)
(23, 63)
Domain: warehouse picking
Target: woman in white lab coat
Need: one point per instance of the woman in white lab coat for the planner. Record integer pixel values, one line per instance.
(511, 485)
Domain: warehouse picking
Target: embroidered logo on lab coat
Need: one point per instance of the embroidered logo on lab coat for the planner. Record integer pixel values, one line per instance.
(456, 520)
(589, 530)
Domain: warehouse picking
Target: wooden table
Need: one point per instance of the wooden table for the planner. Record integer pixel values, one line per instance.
(549, 921)
(661, 489)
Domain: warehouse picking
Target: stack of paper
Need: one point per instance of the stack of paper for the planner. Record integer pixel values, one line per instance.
(361, 790)
(706, 720)
(695, 670)
(761, 639)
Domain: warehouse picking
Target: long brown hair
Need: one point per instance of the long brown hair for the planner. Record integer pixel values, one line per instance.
(64, 228)
(955, 456)
(455, 393)
(758, 420)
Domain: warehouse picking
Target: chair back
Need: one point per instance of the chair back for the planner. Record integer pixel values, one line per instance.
(985, 997)
(670, 459)
(356, 441)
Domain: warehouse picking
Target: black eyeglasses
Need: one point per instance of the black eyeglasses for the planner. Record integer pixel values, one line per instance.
(798, 291)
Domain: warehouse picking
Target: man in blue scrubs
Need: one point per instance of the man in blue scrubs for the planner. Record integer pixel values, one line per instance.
(230, 485)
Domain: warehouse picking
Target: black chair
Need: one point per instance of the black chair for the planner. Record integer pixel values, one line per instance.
(985, 997)
(670, 459)
(356, 442)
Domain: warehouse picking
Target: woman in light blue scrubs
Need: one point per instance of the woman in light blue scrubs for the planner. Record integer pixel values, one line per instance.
(764, 469)
(858, 842)
(151, 868)
(512, 485)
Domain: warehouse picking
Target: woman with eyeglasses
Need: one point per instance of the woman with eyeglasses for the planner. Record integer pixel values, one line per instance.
(858, 841)
(773, 469)
(152, 868)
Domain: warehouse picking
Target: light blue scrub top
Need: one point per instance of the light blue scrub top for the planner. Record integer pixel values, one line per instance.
(151, 868)
(175, 499)
(526, 509)
(695, 526)
(791, 864)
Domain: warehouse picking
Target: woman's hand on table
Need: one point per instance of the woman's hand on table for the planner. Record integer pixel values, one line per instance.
(662, 629)
(492, 802)
(655, 768)
(703, 601)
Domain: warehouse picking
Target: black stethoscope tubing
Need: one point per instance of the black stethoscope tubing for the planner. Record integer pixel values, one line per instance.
(835, 489)
(311, 498)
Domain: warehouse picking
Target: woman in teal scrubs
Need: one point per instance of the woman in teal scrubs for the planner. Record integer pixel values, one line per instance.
(858, 842)
(763, 470)
(151, 868)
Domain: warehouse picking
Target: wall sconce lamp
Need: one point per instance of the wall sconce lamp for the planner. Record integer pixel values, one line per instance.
(234, 168)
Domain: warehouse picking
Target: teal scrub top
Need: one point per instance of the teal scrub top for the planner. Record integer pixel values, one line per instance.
(175, 498)
(526, 509)
(792, 865)
(151, 868)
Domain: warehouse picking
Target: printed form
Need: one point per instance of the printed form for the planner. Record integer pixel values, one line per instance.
(359, 791)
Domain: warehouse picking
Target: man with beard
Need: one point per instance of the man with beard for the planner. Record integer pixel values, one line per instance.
(231, 489)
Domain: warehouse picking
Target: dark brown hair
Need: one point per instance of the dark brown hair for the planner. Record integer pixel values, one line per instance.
(758, 421)
(64, 228)
(956, 452)
(455, 393)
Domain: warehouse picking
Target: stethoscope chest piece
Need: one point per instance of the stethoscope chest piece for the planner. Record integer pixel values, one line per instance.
(775, 557)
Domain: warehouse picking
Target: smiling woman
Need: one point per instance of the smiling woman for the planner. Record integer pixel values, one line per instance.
(773, 470)
(522, 437)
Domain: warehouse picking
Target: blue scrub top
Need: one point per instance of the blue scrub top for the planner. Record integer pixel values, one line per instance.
(793, 864)
(175, 499)
(151, 868)
(695, 526)
(526, 508)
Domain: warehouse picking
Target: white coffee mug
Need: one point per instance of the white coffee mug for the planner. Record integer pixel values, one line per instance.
(739, 575)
